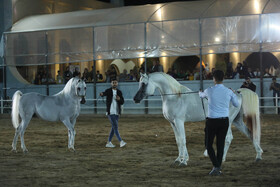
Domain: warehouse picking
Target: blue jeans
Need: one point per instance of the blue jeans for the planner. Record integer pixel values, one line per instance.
(114, 119)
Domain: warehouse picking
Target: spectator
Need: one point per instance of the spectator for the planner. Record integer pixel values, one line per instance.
(250, 73)
(131, 76)
(249, 84)
(239, 69)
(266, 73)
(99, 76)
(229, 70)
(59, 78)
(169, 72)
(141, 70)
(113, 74)
(275, 87)
(107, 74)
(257, 73)
(196, 74)
(135, 76)
(86, 75)
(272, 70)
(181, 74)
(174, 73)
(277, 72)
(67, 75)
(187, 75)
(160, 67)
(191, 77)
(154, 67)
(207, 68)
(50, 79)
(123, 76)
(210, 74)
(204, 74)
(76, 73)
(235, 74)
(37, 79)
(244, 69)
(44, 79)
(91, 73)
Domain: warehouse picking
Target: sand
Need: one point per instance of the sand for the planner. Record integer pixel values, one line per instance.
(145, 161)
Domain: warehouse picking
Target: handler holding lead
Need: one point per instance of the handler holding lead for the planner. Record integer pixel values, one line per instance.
(114, 100)
(217, 123)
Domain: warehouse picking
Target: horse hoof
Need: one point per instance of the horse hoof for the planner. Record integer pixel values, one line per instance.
(14, 150)
(182, 164)
(25, 151)
(258, 159)
(72, 150)
(175, 163)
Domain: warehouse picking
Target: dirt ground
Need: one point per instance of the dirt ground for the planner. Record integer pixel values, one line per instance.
(145, 161)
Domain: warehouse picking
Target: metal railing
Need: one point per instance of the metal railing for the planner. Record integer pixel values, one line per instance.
(99, 105)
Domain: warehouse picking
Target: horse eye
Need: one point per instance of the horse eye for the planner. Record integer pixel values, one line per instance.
(85, 88)
(79, 89)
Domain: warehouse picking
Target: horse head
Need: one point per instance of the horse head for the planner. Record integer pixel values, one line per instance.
(80, 89)
(146, 87)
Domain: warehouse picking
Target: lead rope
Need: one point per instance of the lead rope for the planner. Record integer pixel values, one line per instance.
(174, 94)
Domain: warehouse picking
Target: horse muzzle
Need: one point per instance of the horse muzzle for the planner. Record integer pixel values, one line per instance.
(83, 101)
(136, 100)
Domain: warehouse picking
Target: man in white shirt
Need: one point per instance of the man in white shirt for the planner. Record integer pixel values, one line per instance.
(217, 123)
(114, 100)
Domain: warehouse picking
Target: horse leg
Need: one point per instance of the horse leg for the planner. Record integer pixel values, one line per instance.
(228, 140)
(69, 139)
(14, 144)
(177, 161)
(70, 128)
(74, 132)
(24, 123)
(238, 122)
(181, 142)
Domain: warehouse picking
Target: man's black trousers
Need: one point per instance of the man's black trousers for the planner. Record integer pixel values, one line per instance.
(216, 127)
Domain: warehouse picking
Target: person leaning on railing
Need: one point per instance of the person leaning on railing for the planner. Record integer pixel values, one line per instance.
(275, 87)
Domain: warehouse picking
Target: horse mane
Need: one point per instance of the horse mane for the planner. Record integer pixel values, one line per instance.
(175, 86)
(67, 88)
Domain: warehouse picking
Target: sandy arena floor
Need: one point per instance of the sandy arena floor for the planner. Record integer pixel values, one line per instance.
(145, 161)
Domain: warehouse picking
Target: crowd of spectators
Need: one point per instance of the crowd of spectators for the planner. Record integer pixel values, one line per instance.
(43, 77)
(241, 71)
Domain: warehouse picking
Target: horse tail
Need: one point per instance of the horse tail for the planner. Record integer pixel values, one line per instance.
(250, 106)
(15, 108)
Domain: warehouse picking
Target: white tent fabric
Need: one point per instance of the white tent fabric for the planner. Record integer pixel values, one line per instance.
(171, 29)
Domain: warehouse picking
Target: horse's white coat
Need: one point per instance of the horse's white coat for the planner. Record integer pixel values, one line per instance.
(182, 107)
(63, 106)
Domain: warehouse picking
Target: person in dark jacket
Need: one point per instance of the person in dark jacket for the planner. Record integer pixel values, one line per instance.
(114, 100)
(249, 84)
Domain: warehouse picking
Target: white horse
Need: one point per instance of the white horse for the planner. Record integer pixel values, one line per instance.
(180, 104)
(63, 106)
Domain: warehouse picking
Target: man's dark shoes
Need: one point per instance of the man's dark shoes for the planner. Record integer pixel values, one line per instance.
(215, 171)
